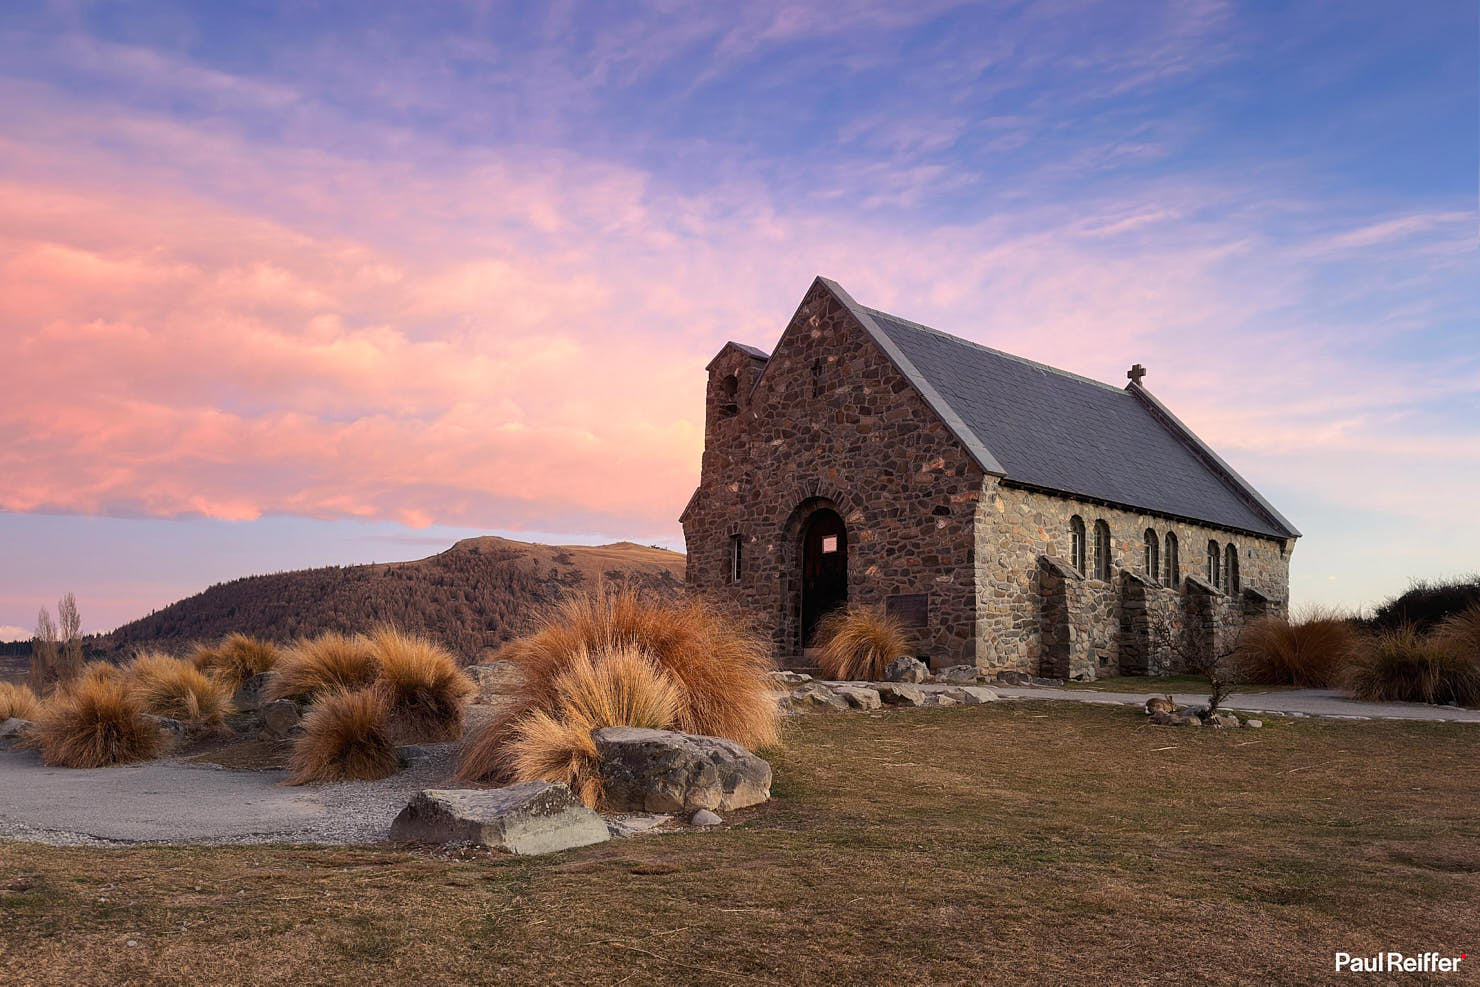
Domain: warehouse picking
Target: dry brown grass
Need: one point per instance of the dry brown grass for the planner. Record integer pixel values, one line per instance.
(1407, 666)
(93, 723)
(18, 700)
(857, 642)
(425, 690)
(236, 658)
(347, 737)
(168, 686)
(717, 666)
(319, 664)
(1461, 632)
(95, 671)
(1310, 650)
(621, 688)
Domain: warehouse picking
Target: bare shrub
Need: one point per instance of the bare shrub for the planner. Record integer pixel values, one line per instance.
(93, 723)
(70, 632)
(425, 690)
(44, 654)
(857, 642)
(329, 661)
(347, 737)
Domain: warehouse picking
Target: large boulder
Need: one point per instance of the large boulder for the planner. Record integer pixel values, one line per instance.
(901, 694)
(661, 771)
(812, 696)
(279, 717)
(858, 696)
(248, 697)
(13, 731)
(497, 679)
(957, 675)
(530, 818)
(906, 670)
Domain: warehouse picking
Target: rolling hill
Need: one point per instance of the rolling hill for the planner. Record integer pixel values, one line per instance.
(476, 595)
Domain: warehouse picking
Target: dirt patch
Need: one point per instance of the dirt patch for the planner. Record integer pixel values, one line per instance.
(247, 755)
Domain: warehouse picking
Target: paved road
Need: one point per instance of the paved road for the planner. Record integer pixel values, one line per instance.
(1306, 702)
(178, 802)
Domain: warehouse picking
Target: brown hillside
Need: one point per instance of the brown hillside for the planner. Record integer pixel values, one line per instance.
(477, 594)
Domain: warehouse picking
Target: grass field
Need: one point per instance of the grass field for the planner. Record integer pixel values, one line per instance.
(1014, 842)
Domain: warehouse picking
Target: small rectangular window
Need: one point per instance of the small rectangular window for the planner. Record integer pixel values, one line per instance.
(829, 544)
(735, 542)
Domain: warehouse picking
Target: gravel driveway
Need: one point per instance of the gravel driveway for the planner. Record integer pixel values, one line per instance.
(173, 801)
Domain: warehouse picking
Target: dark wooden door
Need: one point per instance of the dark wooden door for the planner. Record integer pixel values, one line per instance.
(824, 569)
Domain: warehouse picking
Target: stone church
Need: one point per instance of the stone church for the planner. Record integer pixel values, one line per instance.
(1011, 515)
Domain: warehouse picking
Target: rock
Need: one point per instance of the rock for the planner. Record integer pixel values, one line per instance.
(530, 818)
(496, 679)
(1198, 711)
(173, 729)
(901, 694)
(1254, 724)
(942, 699)
(785, 679)
(1224, 720)
(1013, 678)
(957, 675)
(13, 731)
(1163, 718)
(972, 695)
(1160, 704)
(279, 717)
(906, 669)
(704, 818)
(662, 771)
(627, 824)
(248, 697)
(815, 696)
(859, 697)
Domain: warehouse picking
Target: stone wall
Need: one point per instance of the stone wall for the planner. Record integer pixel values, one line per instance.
(831, 423)
(1015, 527)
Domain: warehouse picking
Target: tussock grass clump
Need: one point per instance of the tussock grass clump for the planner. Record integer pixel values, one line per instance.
(857, 642)
(1310, 650)
(167, 686)
(318, 664)
(92, 723)
(1405, 665)
(19, 701)
(621, 688)
(425, 690)
(1462, 632)
(236, 658)
(717, 668)
(347, 737)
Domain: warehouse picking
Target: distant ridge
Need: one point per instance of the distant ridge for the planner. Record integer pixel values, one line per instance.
(476, 595)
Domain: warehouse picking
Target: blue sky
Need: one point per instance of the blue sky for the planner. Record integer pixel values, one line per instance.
(294, 284)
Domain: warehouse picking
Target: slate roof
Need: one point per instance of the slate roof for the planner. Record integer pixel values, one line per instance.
(1039, 427)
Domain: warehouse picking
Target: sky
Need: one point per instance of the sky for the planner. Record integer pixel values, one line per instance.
(305, 283)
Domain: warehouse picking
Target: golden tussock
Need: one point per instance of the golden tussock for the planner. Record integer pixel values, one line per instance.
(347, 737)
(857, 642)
(236, 658)
(166, 686)
(93, 723)
(329, 661)
(424, 689)
(19, 701)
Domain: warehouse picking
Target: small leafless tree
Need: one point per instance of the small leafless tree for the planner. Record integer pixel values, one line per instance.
(71, 636)
(1199, 655)
(43, 654)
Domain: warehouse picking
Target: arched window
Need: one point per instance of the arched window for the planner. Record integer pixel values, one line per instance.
(1215, 571)
(1173, 565)
(1076, 542)
(729, 397)
(1102, 550)
(1153, 571)
(1230, 570)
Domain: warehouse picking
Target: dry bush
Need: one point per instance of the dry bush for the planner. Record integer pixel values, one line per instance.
(18, 700)
(1308, 651)
(1407, 666)
(92, 723)
(318, 664)
(346, 737)
(619, 688)
(236, 658)
(1461, 632)
(167, 686)
(424, 689)
(857, 642)
(717, 667)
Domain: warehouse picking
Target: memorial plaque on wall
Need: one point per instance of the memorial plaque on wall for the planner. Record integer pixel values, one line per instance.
(912, 609)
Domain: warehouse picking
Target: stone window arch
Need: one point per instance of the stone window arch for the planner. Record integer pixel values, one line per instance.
(729, 396)
(1153, 551)
(1173, 565)
(1102, 550)
(1076, 542)
(1230, 569)
(1215, 570)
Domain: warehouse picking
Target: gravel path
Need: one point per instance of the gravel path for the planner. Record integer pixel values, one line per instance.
(172, 801)
(1290, 702)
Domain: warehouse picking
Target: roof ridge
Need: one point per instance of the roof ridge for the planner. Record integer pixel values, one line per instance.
(992, 349)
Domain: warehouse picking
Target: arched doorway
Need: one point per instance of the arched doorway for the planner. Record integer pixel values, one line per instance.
(824, 568)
